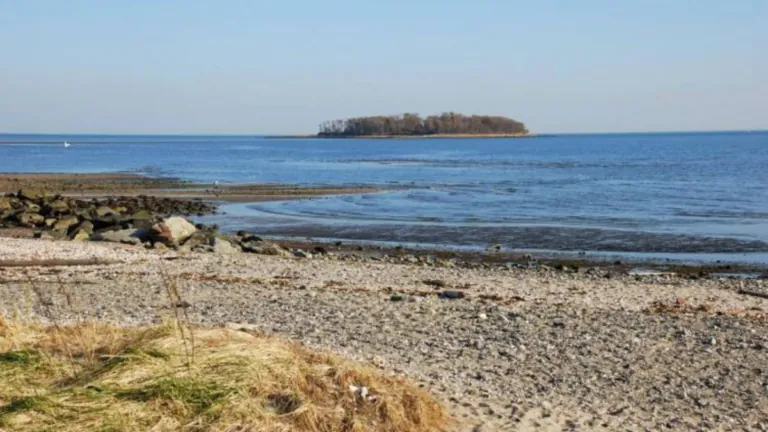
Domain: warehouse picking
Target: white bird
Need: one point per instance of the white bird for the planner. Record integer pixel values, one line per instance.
(66, 144)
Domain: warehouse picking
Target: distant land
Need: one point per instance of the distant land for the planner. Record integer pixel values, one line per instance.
(447, 124)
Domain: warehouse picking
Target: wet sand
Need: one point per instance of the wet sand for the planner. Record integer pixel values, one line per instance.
(100, 185)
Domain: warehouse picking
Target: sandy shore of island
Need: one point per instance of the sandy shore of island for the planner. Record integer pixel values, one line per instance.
(519, 349)
(126, 184)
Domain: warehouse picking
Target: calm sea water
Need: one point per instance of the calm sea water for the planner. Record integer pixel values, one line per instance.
(674, 193)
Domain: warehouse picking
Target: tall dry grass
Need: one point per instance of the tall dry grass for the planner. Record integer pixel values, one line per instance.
(86, 376)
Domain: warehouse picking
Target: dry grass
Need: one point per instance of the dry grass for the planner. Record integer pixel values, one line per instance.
(95, 377)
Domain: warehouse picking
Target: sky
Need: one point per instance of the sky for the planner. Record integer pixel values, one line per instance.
(282, 67)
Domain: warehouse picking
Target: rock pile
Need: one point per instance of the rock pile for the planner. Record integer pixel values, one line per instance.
(124, 219)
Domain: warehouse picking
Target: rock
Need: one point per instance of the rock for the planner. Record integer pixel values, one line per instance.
(102, 211)
(221, 246)
(49, 222)
(482, 317)
(452, 295)
(198, 239)
(86, 226)
(44, 235)
(80, 235)
(159, 246)
(31, 194)
(298, 253)
(265, 249)
(172, 230)
(30, 219)
(31, 207)
(396, 298)
(5, 203)
(65, 223)
(57, 207)
(320, 250)
(111, 222)
(127, 236)
(141, 215)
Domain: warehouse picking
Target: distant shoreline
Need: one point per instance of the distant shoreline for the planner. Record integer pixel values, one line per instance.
(431, 136)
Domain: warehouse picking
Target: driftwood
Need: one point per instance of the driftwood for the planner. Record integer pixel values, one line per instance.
(754, 293)
(55, 262)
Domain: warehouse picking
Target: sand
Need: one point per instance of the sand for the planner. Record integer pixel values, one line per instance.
(523, 350)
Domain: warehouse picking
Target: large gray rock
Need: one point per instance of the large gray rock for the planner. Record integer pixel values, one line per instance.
(126, 236)
(173, 230)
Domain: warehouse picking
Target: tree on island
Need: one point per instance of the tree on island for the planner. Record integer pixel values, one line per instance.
(410, 124)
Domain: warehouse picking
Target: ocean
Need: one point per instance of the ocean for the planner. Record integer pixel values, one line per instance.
(663, 194)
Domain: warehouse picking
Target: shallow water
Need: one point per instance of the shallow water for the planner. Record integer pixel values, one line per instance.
(672, 193)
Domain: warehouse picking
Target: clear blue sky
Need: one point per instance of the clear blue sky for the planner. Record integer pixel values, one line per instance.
(284, 66)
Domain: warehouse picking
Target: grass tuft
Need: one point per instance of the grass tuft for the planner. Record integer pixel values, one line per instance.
(135, 379)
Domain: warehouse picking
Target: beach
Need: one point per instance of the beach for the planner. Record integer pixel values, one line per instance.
(501, 348)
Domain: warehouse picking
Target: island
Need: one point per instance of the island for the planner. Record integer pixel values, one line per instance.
(448, 124)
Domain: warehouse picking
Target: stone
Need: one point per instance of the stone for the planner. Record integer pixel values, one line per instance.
(31, 194)
(5, 203)
(50, 221)
(173, 230)
(86, 226)
(396, 298)
(159, 246)
(298, 253)
(320, 250)
(125, 236)
(198, 239)
(65, 223)
(102, 211)
(57, 207)
(452, 295)
(31, 207)
(80, 235)
(221, 246)
(143, 215)
(30, 219)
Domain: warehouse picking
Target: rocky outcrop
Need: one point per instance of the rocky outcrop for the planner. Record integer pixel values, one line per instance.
(109, 219)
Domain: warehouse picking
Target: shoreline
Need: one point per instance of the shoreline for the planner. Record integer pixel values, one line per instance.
(130, 185)
(102, 185)
(501, 348)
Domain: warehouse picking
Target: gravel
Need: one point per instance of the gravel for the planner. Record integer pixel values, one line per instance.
(519, 350)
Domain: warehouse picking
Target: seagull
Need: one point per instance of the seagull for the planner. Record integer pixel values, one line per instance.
(66, 144)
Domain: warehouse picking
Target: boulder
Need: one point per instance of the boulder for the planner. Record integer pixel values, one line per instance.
(103, 211)
(30, 219)
(126, 236)
(31, 207)
(173, 230)
(265, 249)
(222, 246)
(65, 223)
(86, 226)
(80, 235)
(57, 207)
(5, 204)
(50, 221)
(31, 194)
(141, 215)
(109, 222)
(198, 239)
